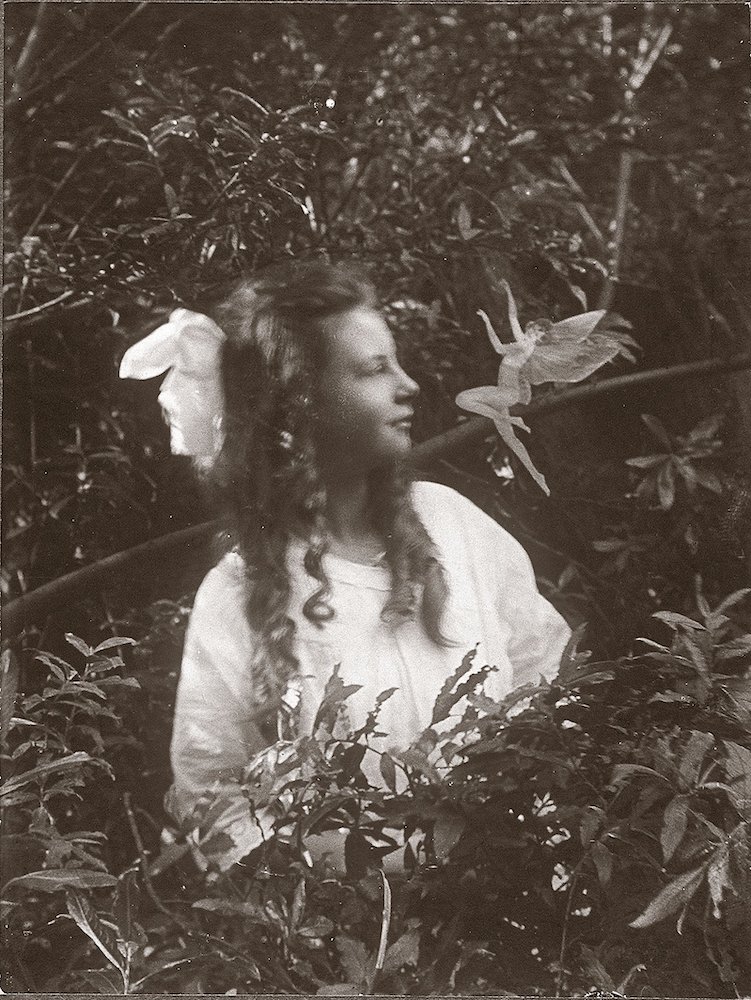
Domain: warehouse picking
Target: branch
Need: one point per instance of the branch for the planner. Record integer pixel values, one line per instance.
(75, 64)
(37, 604)
(55, 192)
(27, 313)
(30, 322)
(580, 204)
(619, 222)
(29, 57)
(73, 586)
(456, 438)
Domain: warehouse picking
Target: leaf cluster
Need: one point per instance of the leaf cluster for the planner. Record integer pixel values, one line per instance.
(516, 846)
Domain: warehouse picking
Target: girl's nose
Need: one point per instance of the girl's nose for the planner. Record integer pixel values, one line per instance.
(408, 388)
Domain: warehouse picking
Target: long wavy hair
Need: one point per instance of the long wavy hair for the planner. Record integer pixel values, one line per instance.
(267, 478)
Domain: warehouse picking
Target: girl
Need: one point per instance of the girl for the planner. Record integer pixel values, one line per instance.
(296, 398)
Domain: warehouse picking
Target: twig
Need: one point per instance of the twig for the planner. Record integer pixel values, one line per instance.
(566, 919)
(38, 323)
(90, 208)
(26, 313)
(28, 53)
(642, 70)
(623, 189)
(154, 896)
(55, 191)
(581, 203)
(32, 406)
(361, 168)
(385, 922)
(75, 64)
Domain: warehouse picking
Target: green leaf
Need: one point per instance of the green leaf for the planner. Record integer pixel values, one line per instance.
(105, 981)
(8, 690)
(692, 757)
(734, 647)
(72, 763)
(317, 927)
(657, 428)
(674, 822)
(591, 822)
(596, 971)
(298, 904)
(414, 758)
(706, 428)
(718, 877)
(646, 461)
(334, 695)
(354, 957)
(53, 880)
(87, 919)
(623, 771)
(603, 862)
(666, 485)
(675, 620)
(709, 480)
(670, 899)
(447, 697)
(388, 770)
(233, 908)
(447, 831)
(738, 769)
(114, 642)
(404, 951)
(78, 644)
(732, 599)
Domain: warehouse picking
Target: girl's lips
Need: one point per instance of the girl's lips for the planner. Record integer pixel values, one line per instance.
(405, 421)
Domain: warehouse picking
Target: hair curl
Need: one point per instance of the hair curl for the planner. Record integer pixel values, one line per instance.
(266, 476)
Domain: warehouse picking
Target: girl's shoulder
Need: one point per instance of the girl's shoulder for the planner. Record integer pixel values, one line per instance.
(455, 521)
(222, 587)
(437, 500)
(440, 506)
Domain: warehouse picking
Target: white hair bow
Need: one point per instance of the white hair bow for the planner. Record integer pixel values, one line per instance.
(189, 345)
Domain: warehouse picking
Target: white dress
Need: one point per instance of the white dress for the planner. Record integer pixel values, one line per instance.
(494, 604)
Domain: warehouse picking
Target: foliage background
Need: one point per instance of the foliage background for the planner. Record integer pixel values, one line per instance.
(590, 153)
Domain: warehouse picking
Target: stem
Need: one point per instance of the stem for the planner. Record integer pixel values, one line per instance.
(55, 191)
(75, 64)
(385, 924)
(623, 191)
(566, 919)
(26, 313)
(92, 205)
(28, 55)
(581, 203)
(154, 897)
(33, 322)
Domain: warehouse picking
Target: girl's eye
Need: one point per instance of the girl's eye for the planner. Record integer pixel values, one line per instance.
(377, 369)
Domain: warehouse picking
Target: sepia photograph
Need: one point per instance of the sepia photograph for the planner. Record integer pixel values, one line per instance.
(376, 499)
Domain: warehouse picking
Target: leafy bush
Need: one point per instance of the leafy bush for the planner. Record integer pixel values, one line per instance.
(539, 837)
(153, 151)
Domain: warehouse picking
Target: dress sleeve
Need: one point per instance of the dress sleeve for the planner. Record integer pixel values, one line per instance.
(214, 736)
(539, 633)
(504, 579)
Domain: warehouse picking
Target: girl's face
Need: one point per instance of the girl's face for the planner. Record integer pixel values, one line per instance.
(364, 402)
